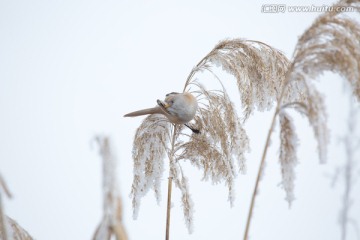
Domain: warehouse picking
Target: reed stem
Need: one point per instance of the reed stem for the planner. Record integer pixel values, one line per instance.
(167, 237)
(259, 176)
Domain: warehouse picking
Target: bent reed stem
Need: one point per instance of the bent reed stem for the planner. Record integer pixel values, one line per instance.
(259, 175)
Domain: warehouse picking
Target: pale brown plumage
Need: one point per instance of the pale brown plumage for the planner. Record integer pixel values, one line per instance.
(179, 108)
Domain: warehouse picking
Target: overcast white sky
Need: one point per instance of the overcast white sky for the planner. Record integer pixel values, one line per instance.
(72, 69)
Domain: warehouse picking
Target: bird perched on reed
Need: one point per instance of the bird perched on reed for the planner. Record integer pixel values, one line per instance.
(179, 108)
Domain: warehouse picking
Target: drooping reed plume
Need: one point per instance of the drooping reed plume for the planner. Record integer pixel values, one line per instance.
(331, 43)
(219, 150)
(9, 229)
(15, 231)
(111, 223)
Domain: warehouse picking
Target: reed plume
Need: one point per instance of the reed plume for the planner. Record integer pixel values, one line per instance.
(219, 150)
(9, 229)
(15, 231)
(111, 223)
(331, 43)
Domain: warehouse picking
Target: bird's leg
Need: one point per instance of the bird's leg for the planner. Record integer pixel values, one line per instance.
(197, 131)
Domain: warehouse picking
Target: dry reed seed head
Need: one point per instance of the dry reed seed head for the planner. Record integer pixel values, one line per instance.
(14, 230)
(238, 139)
(181, 182)
(313, 107)
(201, 152)
(332, 43)
(258, 68)
(150, 145)
(111, 223)
(110, 188)
(222, 143)
(316, 113)
(149, 150)
(288, 158)
(260, 72)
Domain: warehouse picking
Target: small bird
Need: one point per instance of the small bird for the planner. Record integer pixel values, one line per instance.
(179, 108)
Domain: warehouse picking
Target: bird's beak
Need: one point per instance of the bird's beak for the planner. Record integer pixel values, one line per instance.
(163, 104)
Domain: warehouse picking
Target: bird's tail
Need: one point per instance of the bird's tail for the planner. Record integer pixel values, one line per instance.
(144, 112)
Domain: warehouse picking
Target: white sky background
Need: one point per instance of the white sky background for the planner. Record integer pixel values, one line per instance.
(72, 69)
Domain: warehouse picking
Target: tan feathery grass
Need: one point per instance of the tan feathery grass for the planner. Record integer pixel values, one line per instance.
(332, 43)
(288, 158)
(149, 150)
(18, 233)
(4, 230)
(111, 223)
(259, 70)
(9, 229)
(219, 149)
